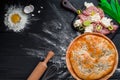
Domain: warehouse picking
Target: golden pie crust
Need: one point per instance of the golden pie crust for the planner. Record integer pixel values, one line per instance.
(91, 56)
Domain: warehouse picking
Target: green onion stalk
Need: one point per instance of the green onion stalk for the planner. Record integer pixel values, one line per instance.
(112, 8)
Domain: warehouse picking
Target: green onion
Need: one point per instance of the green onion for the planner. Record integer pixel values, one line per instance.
(110, 28)
(86, 23)
(80, 28)
(99, 27)
(118, 7)
(106, 3)
(111, 8)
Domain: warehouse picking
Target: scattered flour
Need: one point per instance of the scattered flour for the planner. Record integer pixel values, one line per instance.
(39, 11)
(41, 7)
(15, 19)
(33, 15)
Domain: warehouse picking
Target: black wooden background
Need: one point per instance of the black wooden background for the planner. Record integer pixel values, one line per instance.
(51, 29)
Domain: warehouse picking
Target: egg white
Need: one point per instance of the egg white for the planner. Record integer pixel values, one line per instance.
(23, 21)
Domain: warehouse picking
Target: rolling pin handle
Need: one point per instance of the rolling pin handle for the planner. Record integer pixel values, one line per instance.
(49, 56)
(40, 68)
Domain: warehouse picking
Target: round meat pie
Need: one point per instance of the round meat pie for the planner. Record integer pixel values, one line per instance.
(92, 56)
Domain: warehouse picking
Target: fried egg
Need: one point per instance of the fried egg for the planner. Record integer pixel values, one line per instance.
(15, 19)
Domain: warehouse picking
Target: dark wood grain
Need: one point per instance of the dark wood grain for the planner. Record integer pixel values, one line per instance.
(51, 29)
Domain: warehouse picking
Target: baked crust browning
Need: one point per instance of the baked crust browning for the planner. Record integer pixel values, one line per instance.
(92, 56)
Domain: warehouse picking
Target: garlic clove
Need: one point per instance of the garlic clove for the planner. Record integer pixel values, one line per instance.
(28, 9)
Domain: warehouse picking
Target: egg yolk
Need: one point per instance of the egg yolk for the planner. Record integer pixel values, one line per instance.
(15, 18)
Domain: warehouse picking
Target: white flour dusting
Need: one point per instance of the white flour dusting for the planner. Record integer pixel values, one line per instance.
(33, 15)
(35, 52)
(41, 7)
(46, 41)
(57, 33)
(50, 42)
(118, 70)
(15, 19)
(63, 48)
(51, 33)
(39, 11)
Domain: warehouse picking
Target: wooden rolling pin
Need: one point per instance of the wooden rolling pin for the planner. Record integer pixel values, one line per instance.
(40, 68)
